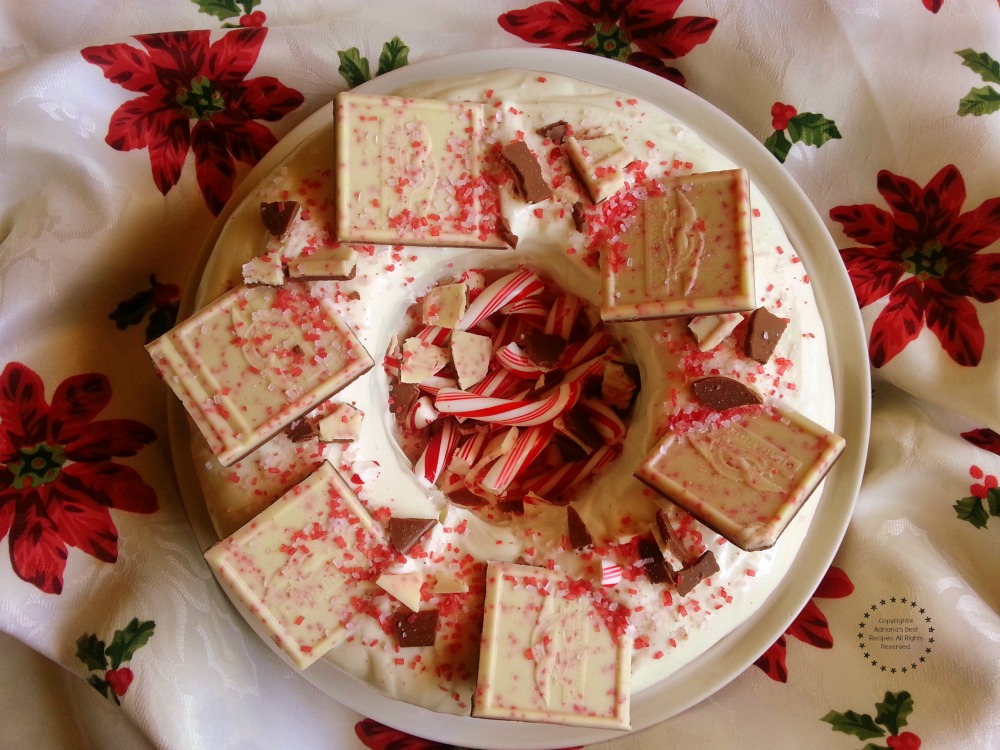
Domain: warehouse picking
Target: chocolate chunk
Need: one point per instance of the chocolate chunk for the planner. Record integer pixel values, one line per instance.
(402, 397)
(415, 628)
(579, 534)
(581, 429)
(579, 218)
(503, 230)
(514, 507)
(690, 576)
(763, 332)
(544, 349)
(653, 562)
(405, 532)
(278, 216)
(668, 537)
(301, 430)
(554, 131)
(720, 393)
(619, 384)
(527, 172)
(569, 449)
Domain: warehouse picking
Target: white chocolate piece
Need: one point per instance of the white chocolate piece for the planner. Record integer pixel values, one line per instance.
(687, 252)
(746, 476)
(264, 269)
(547, 654)
(326, 263)
(257, 358)
(712, 330)
(470, 353)
(299, 564)
(411, 171)
(343, 424)
(444, 305)
(403, 586)
(420, 360)
(600, 163)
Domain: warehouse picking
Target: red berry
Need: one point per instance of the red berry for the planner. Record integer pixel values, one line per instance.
(904, 741)
(257, 18)
(119, 680)
(781, 114)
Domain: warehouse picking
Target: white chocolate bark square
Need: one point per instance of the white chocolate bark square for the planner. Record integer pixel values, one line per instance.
(746, 476)
(547, 654)
(255, 359)
(299, 564)
(411, 171)
(687, 252)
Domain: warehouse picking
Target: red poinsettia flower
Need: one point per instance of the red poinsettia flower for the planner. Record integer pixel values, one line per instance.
(195, 97)
(57, 479)
(984, 438)
(643, 33)
(925, 254)
(810, 626)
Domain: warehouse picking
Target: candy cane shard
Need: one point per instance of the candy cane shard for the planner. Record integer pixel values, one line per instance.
(513, 358)
(522, 413)
(605, 420)
(562, 315)
(503, 291)
(437, 452)
(529, 444)
(570, 474)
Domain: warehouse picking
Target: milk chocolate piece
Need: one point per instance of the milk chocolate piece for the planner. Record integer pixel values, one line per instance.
(405, 532)
(763, 332)
(527, 173)
(579, 218)
(745, 477)
(248, 364)
(547, 654)
(278, 217)
(271, 564)
(687, 252)
(555, 131)
(691, 575)
(668, 538)
(505, 233)
(544, 349)
(653, 562)
(415, 629)
(579, 534)
(720, 393)
(402, 397)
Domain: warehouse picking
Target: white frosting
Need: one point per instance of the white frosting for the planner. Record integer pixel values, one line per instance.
(617, 506)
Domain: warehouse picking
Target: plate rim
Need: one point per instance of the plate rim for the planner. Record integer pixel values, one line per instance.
(735, 652)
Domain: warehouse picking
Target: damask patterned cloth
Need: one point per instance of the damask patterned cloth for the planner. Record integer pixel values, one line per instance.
(124, 129)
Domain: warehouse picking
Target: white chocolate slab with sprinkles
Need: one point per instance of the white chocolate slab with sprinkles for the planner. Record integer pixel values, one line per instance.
(255, 359)
(547, 654)
(300, 564)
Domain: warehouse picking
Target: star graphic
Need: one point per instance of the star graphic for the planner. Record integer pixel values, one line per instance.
(930, 630)
(882, 602)
(867, 615)
(893, 600)
(892, 671)
(903, 600)
(922, 610)
(874, 607)
(874, 662)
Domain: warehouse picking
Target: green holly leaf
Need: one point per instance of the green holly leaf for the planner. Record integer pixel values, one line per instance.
(893, 710)
(128, 640)
(353, 67)
(812, 129)
(993, 500)
(872, 746)
(90, 650)
(981, 101)
(778, 145)
(221, 9)
(394, 55)
(861, 726)
(100, 685)
(971, 509)
(982, 64)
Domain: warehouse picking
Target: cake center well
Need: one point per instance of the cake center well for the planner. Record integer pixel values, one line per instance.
(508, 389)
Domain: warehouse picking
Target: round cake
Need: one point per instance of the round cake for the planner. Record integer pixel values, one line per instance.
(466, 547)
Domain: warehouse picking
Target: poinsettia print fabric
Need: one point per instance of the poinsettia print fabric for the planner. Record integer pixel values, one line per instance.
(58, 479)
(646, 33)
(926, 254)
(195, 97)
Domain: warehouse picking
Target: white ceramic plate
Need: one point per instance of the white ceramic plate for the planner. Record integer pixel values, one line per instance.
(849, 363)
